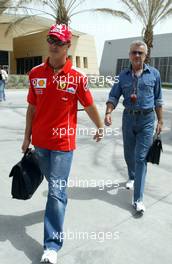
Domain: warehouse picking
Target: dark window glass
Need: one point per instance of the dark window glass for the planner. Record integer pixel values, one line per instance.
(3, 57)
(85, 62)
(163, 61)
(78, 62)
(170, 60)
(169, 74)
(24, 65)
(163, 64)
(121, 65)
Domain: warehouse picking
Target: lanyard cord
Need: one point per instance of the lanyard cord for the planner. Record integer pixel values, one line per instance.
(134, 83)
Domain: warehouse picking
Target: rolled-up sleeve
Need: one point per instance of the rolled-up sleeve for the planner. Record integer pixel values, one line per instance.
(115, 94)
(158, 101)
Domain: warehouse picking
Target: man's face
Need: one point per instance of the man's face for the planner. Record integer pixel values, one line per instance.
(137, 55)
(57, 47)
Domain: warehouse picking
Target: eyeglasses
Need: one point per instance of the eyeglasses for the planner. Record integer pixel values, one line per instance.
(55, 41)
(136, 52)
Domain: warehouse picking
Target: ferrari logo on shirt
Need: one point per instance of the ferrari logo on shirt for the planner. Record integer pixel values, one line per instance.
(39, 82)
(67, 87)
(62, 85)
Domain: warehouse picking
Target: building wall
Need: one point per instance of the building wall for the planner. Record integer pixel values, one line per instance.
(6, 42)
(84, 46)
(119, 48)
(28, 46)
(36, 45)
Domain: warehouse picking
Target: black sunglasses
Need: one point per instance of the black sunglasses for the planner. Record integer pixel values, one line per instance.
(55, 41)
(135, 52)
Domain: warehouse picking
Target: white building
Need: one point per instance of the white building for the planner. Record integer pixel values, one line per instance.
(115, 56)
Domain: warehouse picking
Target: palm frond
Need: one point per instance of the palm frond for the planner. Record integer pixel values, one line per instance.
(145, 12)
(13, 24)
(165, 15)
(30, 9)
(74, 7)
(133, 6)
(164, 8)
(70, 4)
(157, 6)
(52, 4)
(110, 11)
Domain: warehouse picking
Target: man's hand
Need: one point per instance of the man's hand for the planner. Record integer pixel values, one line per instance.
(159, 114)
(99, 134)
(25, 145)
(159, 127)
(108, 120)
(95, 117)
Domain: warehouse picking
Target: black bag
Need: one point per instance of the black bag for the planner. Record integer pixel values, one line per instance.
(154, 152)
(26, 175)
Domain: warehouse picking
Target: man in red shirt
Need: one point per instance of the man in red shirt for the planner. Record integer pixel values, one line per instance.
(55, 89)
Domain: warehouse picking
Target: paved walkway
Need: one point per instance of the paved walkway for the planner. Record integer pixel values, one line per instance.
(100, 222)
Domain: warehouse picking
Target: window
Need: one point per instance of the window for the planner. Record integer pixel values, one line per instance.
(169, 74)
(85, 62)
(163, 64)
(3, 57)
(78, 62)
(121, 65)
(24, 65)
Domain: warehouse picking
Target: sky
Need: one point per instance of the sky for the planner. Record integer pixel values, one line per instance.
(105, 27)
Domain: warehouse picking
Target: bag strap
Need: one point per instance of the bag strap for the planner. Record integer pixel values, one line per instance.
(28, 150)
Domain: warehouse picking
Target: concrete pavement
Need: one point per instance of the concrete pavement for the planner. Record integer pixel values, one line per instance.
(100, 223)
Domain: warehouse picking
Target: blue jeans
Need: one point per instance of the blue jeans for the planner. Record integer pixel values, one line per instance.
(55, 165)
(137, 138)
(2, 92)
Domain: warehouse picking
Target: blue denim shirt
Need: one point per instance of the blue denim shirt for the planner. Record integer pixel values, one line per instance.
(148, 86)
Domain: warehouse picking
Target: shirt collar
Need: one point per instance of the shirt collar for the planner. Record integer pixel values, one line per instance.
(145, 68)
(66, 68)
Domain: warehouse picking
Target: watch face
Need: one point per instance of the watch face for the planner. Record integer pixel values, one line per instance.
(133, 98)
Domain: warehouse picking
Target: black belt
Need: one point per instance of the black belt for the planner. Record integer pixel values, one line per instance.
(139, 111)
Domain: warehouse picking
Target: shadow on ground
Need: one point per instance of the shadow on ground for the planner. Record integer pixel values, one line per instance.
(13, 228)
(115, 195)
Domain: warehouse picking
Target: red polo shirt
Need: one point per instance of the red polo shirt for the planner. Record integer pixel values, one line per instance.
(55, 97)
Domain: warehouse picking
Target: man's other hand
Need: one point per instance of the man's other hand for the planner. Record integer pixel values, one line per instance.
(25, 145)
(108, 120)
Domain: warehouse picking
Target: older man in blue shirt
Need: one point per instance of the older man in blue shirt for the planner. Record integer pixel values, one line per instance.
(140, 86)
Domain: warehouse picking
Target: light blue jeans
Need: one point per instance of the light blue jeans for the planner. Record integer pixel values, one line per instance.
(55, 165)
(2, 92)
(137, 138)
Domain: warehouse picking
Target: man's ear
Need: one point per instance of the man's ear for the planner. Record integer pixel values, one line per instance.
(69, 45)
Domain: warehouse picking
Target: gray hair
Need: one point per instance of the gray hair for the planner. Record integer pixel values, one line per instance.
(139, 43)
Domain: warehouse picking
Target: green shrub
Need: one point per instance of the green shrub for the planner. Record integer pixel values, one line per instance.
(167, 85)
(17, 82)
